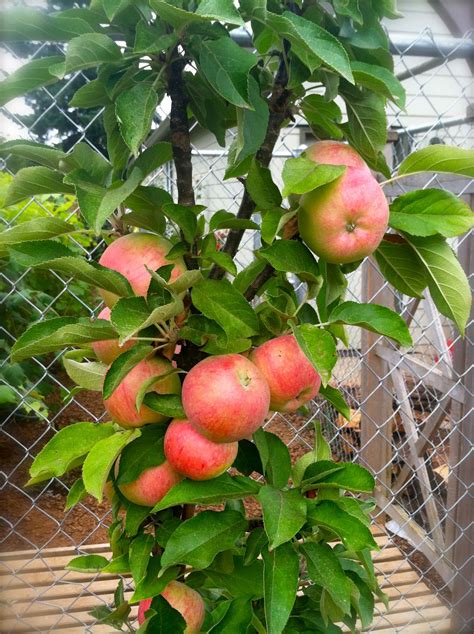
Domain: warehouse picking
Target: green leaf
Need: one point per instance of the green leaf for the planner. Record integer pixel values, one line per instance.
(273, 222)
(261, 187)
(48, 254)
(89, 374)
(66, 449)
(114, 7)
(184, 217)
(28, 77)
(214, 491)
(132, 314)
(58, 333)
(251, 129)
(349, 476)
(226, 67)
(149, 200)
(354, 535)
(101, 458)
(90, 95)
(35, 181)
(21, 24)
(326, 571)
(237, 617)
(98, 203)
(220, 301)
(335, 398)
(323, 116)
(248, 458)
(221, 10)
(167, 404)
(224, 260)
(36, 152)
(429, 212)
(439, 158)
(87, 563)
(198, 540)
(122, 365)
(319, 347)
(400, 266)
(152, 585)
(76, 493)
(448, 284)
(119, 565)
(37, 229)
(301, 175)
(291, 256)
(166, 618)
(256, 542)
(321, 451)
(243, 581)
(83, 157)
(281, 573)
(366, 123)
(135, 515)
(134, 109)
(317, 41)
(284, 513)
(117, 149)
(364, 605)
(139, 554)
(87, 51)
(209, 108)
(350, 8)
(141, 454)
(275, 457)
(379, 80)
(372, 317)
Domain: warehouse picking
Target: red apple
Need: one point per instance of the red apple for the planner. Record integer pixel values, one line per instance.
(335, 153)
(151, 485)
(108, 350)
(121, 405)
(345, 220)
(292, 379)
(183, 599)
(226, 397)
(195, 456)
(130, 254)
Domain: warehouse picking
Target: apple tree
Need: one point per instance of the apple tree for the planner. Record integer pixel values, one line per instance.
(190, 352)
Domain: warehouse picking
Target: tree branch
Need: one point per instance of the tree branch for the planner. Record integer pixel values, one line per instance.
(181, 140)
(278, 107)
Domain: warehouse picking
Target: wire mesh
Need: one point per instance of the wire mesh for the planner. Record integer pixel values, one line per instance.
(34, 518)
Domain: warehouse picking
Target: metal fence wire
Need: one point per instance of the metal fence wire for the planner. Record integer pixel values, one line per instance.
(410, 411)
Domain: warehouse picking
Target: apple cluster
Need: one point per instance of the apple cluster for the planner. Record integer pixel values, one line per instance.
(226, 398)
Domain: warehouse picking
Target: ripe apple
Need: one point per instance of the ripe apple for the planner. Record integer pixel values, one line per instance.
(130, 254)
(195, 456)
(345, 220)
(108, 350)
(292, 379)
(335, 153)
(151, 485)
(183, 599)
(226, 397)
(121, 405)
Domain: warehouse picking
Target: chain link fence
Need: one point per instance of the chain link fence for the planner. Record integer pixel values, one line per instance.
(409, 411)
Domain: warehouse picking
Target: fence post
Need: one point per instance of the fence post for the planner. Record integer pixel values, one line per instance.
(460, 521)
(376, 394)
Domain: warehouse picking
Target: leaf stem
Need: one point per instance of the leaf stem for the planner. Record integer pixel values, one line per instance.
(396, 178)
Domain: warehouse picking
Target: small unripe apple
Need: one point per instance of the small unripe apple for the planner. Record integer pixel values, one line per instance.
(108, 350)
(292, 379)
(152, 485)
(121, 405)
(183, 599)
(226, 398)
(195, 456)
(130, 254)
